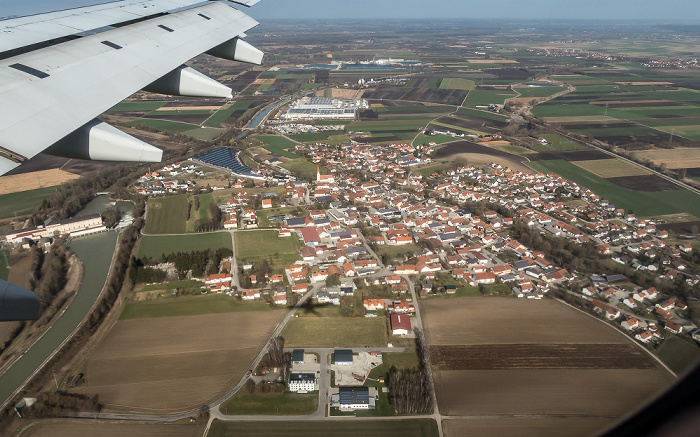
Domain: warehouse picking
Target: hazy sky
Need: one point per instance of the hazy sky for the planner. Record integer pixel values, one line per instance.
(659, 10)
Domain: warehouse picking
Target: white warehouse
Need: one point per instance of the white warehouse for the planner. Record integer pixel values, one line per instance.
(324, 108)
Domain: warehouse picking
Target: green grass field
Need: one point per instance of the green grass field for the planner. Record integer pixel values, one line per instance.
(389, 125)
(225, 112)
(163, 125)
(557, 143)
(153, 246)
(166, 215)
(272, 404)
(186, 285)
(349, 428)
(257, 245)
(24, 202)
(643, 204)
(277, 145)
(567, 110)
(313, 137)
(430, 169)
(303, 166)
(403, 110)
(487, 97)
(437, 139)
(206, 134)
(481, 114)
(678, 354)
(335, 332)
(133, 106)
(188, 306)
(539, 91)
(4, 264)
(457, 84)
(263, 214)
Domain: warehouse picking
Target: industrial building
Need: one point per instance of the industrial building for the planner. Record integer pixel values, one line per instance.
(354, 398)
(326, 108)
(343, 357)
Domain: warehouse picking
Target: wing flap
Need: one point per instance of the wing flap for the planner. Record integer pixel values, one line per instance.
(24, 31)
(87, 77)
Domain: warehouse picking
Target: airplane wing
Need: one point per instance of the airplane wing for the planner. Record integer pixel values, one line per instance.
(16, 303)
(58, 71)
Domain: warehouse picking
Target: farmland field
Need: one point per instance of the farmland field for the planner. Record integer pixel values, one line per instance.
(335, 332)
(277, 145)
(4, 264)
(349, 428)
(487, 97)
(152, 246)
(539, 91)
(23, 202)
(34, 180)
(166, 215)
(524, 427)
(457, 84)
(610, 168)
(164, 125)
(557, 142)
(135, 106)
(104, 429)
(175, 363)
(673, 158)
(680, 355)
(187, 306)
(284, 404)
(643, 204)
(498, 356)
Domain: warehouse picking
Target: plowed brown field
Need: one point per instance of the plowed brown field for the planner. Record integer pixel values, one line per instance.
(175, 363)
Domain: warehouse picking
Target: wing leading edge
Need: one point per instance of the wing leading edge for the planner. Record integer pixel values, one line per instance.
(56, 92)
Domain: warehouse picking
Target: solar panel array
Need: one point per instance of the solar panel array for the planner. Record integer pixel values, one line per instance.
(227, 158)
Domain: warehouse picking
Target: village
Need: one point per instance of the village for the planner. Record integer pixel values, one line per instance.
(373, 222)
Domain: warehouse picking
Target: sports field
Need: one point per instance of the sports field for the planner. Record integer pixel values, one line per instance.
(153, 246)
(177, 363)
(643, 204)
(349, 428)
(188, 306)
(257, 245)
(24, 202)
(335, 332)
(166, 215)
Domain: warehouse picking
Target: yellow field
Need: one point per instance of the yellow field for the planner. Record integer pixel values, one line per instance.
(673, 158)
(611, 168)
(34, 180)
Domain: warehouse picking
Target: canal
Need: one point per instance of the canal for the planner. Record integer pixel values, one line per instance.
(95, 251)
